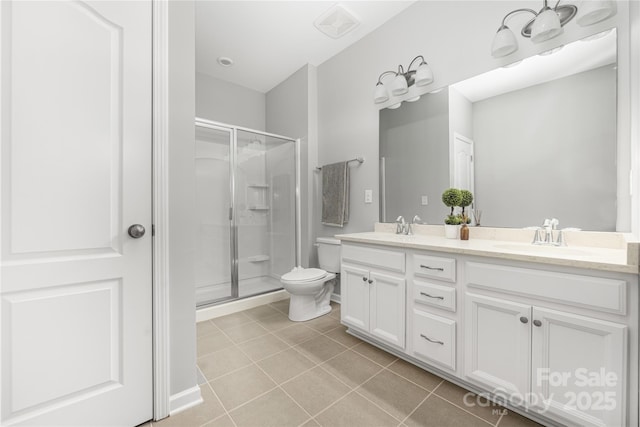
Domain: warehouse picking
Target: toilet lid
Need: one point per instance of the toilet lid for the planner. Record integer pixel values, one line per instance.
(304, 275)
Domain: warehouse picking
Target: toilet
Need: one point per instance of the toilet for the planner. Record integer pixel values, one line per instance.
(311, 288)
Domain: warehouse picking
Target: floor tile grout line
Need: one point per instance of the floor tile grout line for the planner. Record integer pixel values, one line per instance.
(296, 402)
(460, 407)
(500, 419)
(420, 404)
(255, 362)
(410, 380)
(334, 403)
(340, 379)
(375, 404)
(226, 411)
(320, 364)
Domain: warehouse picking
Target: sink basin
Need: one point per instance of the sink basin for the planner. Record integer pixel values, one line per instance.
(543, 250)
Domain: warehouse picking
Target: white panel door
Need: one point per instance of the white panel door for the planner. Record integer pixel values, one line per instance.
(355, 297)
(387, 313)
(497, 345)
(579, 367)
(76, 173)
(463, 169)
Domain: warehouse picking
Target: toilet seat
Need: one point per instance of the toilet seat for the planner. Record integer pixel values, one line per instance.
(303, 275)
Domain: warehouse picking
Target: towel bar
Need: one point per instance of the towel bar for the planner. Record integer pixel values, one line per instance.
(360, 160)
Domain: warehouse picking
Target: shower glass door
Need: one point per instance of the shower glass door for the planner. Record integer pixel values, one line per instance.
(265, 210)
(213, 256)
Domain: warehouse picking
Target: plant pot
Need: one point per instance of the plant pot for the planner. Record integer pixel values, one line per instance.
(451, 231)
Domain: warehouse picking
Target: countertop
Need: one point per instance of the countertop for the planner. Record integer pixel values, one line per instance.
(614, 254)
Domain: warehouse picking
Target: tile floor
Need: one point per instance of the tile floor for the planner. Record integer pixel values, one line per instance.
(256, 368)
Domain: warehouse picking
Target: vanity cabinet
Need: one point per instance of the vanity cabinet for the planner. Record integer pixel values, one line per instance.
(373, 298)
(555, 361)
(431, 300)
(559, 342)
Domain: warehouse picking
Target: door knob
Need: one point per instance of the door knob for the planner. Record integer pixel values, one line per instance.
(136, 231)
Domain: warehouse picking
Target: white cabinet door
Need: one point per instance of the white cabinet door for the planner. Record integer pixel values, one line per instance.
(355, 297)
(497, 344)
(387, 308)
(579, 367)
(75, 109)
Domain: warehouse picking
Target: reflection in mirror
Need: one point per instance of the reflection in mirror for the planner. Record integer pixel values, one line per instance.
(532, 141)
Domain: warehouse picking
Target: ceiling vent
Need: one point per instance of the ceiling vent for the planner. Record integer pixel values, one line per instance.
(336, 22)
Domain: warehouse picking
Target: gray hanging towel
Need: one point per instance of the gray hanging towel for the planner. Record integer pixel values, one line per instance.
(335, 194)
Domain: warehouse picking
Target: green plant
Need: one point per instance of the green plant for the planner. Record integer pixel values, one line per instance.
(453, 220)
(466, 198)
(451, 197)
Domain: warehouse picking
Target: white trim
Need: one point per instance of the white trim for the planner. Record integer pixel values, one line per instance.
(161, 325)
(185, 399)
(212, 312)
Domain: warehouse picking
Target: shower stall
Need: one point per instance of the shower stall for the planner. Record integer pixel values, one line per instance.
(246, 195)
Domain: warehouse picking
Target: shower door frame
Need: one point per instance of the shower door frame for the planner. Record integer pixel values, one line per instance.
(233, 232)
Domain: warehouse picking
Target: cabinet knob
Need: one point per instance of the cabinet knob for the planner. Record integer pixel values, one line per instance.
(370, 281)
(524, 319)
(364, 279)
(537, 323)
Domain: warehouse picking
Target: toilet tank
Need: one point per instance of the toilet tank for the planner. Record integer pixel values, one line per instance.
(329, 254)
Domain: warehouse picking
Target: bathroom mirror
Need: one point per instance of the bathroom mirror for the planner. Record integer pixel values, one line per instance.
(534, 140)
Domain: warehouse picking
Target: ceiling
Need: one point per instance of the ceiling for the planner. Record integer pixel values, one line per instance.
(270, 40)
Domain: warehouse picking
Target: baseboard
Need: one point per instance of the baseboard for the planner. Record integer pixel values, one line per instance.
(212, 312)
(184, 400)
(335, 298)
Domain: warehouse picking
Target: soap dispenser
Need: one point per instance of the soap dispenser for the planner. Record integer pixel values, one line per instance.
(464, 231)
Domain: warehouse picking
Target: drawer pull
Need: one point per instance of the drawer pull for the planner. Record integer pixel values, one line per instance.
(430, 340)
(432, 268)
(430, 296)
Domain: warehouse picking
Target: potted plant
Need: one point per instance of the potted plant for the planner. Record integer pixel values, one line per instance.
(451, 198)
(466, 198)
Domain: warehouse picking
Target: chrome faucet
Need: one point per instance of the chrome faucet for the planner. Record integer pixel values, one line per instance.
(401, 225)
(548, 227)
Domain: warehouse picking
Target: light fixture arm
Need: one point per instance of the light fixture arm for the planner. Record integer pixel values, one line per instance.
(513, 12)
(385, 74)
(414, 60)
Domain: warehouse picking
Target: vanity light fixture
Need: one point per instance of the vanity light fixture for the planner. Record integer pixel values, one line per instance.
(549, 22)
(402, 80)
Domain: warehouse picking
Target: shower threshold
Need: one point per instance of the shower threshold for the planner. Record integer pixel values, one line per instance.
(221, 292)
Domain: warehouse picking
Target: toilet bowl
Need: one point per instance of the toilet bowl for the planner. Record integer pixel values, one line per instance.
(311, 288)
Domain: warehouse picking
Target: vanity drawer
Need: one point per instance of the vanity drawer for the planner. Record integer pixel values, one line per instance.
(434, 339)
(434, 295)
(435, 267)
(380, 258)
(597, 293)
